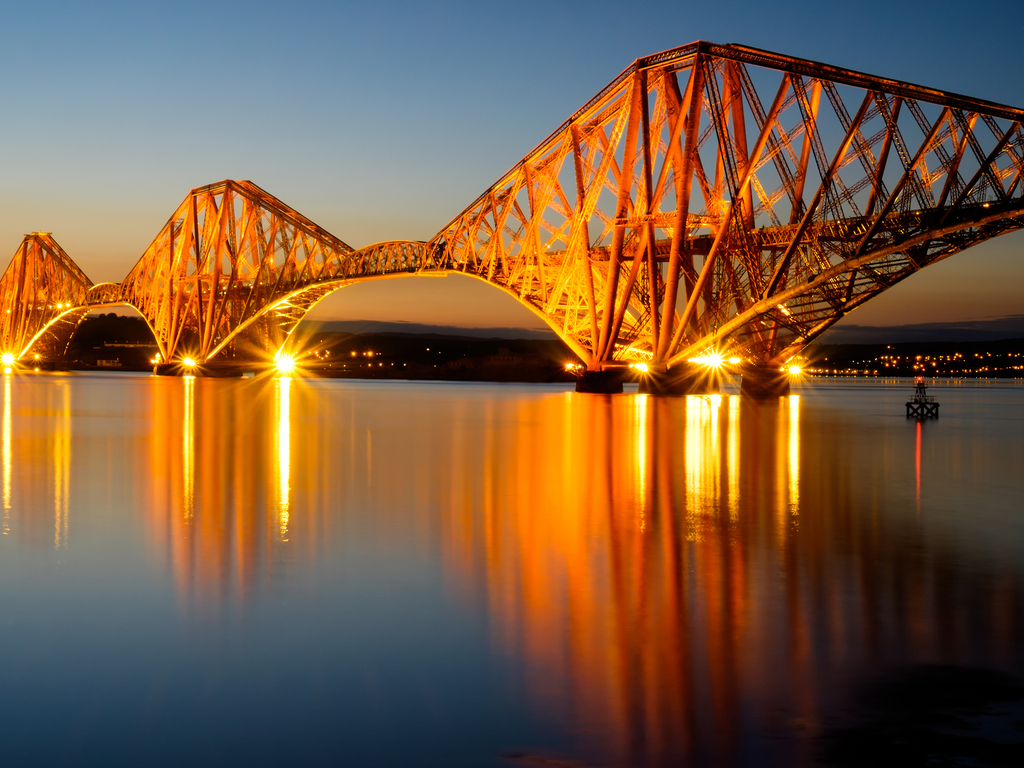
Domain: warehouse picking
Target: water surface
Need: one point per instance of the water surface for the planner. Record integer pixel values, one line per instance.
(294, 571)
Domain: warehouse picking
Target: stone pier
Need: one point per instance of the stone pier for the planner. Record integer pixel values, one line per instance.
(601, 382)
(764, 383)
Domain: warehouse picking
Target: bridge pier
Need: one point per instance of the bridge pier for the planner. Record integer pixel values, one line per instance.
(222, 371)
(601, 382)
(681, 380)
(206, 370)
(762, 382)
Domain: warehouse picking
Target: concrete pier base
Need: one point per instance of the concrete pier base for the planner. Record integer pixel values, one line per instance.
(207, 370)
(682, 380)
(600, 382)
(764, 383)
(222, 371)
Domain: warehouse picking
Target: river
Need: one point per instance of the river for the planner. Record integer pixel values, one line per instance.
(274, 571)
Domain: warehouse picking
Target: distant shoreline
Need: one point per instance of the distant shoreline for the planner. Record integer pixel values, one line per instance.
(376, 350)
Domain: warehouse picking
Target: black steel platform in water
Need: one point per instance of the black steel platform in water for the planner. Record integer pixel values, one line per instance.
(921, 405)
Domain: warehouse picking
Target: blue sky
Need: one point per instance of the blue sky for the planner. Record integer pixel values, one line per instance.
(383, 121)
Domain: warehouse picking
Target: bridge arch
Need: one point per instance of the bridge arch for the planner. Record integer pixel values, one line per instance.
(298, 300)
(721, 195)
(708, 196)
(42, 293)
(67, 326)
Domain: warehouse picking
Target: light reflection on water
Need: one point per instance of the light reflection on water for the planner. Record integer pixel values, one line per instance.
(7, 456)
(188, 447)
(61, 463)
(284, 454)
(626, 580)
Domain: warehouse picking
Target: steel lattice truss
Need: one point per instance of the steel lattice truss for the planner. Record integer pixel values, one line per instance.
(721, 195)
(709, 197)
(42, 294)
(232, 258)
(228, 254)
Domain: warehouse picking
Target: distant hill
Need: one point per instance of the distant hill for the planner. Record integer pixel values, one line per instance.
(988, 329)
(377, 327)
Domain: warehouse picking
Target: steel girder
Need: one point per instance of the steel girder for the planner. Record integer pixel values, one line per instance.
(235, 258)
(709, 196)
(229, 253)
(42, 298)
(723, 196)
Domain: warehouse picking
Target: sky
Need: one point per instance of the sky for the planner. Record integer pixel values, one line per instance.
(384, 120)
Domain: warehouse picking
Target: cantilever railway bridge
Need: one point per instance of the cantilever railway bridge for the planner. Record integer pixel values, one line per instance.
(709, 197)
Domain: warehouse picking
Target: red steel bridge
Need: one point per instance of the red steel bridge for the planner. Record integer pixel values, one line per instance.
(712, 201)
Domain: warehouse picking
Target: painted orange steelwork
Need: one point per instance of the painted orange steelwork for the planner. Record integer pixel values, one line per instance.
(725, 196)
(709, 197)
(42, 299)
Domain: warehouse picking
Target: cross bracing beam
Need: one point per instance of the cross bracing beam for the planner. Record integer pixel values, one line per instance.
(41, 298)
(725, 196)
(709, 196)
(229, 252)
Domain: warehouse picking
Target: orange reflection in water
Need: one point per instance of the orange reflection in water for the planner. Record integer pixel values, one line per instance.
(284, 454)
(220, 468)
(587, 561)
(7, 458)
(36, 458)
(916, 466)
(61, 464)
(640, 555)
(793, 459)
(188, 447)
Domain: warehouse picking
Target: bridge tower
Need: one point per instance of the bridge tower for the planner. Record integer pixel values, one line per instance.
(42, 300)
(723, 202)
(231, 259)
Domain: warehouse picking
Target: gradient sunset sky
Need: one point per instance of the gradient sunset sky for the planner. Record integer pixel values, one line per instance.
(384, 120)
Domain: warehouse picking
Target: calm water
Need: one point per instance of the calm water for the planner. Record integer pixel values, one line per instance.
(275, 571)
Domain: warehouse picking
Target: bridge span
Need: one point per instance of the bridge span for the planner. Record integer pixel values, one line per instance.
(711, 202)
